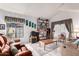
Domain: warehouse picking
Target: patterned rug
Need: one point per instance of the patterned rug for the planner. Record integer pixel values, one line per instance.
(39, 50)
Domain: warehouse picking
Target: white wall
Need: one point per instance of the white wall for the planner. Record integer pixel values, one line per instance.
(44, 10)
(27, 29)
(61, 15)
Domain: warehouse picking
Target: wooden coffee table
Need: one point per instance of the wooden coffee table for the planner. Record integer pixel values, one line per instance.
(46, 42)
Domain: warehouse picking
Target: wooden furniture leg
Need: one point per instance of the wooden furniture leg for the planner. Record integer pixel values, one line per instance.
(44, 47)
(56, 42)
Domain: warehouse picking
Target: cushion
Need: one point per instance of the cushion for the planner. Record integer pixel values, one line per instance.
(6, 49)
(23, 48)
(17, 40)
(2, 42)
(5, 39)
(24, 53)
(14, 50)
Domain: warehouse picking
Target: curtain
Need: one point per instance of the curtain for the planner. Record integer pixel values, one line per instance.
(52, 30)
(68, 25)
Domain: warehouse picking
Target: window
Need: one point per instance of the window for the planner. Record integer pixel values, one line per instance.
(60, 28)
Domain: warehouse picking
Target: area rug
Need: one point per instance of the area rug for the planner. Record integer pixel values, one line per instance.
(39, 51)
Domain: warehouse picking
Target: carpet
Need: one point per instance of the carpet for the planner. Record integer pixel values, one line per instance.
(39, 51)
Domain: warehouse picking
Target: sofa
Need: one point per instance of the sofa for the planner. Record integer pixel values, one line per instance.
(5, 48)
(22, 50)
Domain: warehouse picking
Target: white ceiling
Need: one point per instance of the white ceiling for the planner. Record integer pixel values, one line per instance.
(45, 10)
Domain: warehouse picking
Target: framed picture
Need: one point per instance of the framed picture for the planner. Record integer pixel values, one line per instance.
(35, 26)
(26, 22)
(2, 26)
(30, 24)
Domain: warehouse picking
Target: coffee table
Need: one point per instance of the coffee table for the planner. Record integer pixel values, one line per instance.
(46, 42)
(56, 52)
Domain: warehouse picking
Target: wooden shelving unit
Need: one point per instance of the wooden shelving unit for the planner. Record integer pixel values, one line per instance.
(42, 27)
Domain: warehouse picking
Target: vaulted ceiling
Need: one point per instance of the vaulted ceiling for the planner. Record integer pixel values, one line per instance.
(45, 10)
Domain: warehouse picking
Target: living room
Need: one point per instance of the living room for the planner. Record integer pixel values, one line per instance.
(39, 29)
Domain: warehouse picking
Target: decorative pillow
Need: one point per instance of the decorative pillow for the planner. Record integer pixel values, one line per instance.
(5, 39)
(23, 49)
(2, 42)
(14, 50)
(6, 49)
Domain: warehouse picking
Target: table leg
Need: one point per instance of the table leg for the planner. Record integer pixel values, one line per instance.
(39, 44)
(56, 42)
(44, 47)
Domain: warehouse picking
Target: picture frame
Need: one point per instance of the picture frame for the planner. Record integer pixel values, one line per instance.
(35, 26)
(2, 26)
(30, 24)
(26, 22)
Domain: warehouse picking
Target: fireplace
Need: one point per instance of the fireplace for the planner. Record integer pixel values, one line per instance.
(34, 37)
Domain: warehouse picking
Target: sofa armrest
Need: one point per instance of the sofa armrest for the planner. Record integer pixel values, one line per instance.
(4, 54)
(24, 53)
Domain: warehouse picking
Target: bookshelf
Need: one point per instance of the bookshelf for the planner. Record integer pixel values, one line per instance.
(43, 28)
